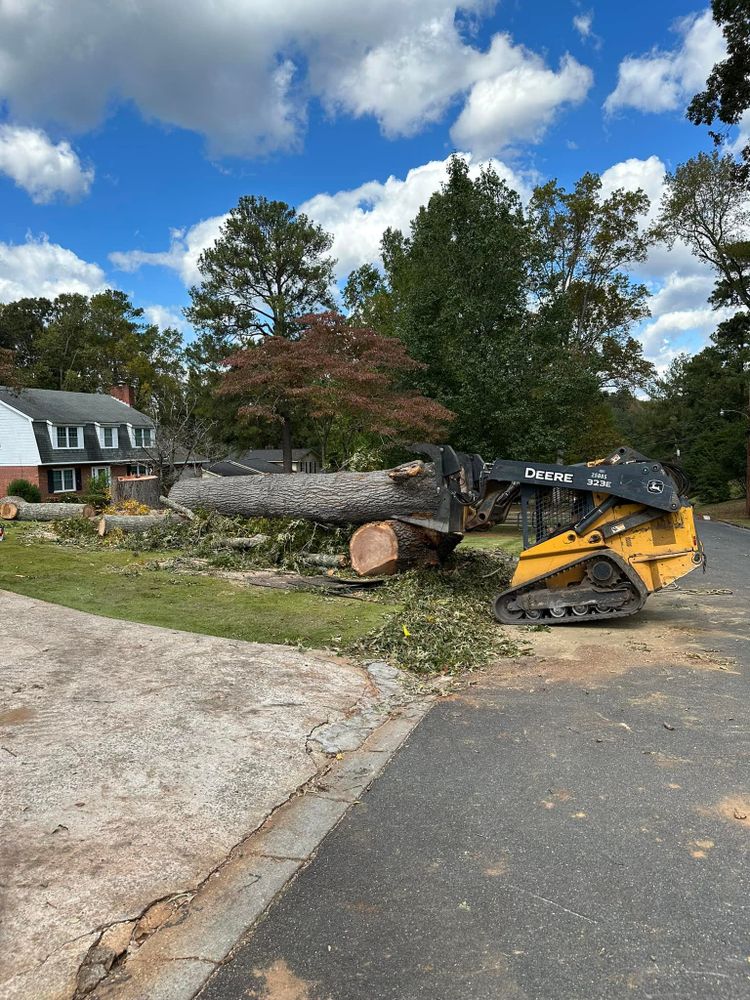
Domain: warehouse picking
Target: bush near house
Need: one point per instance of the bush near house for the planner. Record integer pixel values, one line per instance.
(24, 489)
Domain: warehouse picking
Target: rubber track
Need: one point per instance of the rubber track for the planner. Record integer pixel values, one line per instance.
(569, 619)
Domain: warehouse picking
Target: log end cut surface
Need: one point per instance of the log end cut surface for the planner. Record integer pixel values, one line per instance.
(374, 550)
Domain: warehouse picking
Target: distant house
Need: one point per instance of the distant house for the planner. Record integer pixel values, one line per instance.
(59, 440)
(252, 463)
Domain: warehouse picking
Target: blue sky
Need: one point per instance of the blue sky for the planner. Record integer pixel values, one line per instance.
(127, 130)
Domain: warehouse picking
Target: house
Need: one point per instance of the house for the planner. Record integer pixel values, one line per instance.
(251, 463)
(59, 440)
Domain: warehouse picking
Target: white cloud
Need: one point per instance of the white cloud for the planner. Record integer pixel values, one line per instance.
(42, 168)
(518, 103)
(664, 81)
(243, 73)
(165, 316)
(632, 174)
(356, 219)
(582, 23)
(186, 246)
(40, 268)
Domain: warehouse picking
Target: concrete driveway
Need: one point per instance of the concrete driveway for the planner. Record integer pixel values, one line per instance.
(133, 760)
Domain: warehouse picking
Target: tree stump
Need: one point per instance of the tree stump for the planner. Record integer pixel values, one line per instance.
(387, 547)
(144, 489)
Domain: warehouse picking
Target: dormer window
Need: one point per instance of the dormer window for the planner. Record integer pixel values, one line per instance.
(68, 437)
(142, 437)
(108, 437)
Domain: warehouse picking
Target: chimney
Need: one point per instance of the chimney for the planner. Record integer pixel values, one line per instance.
(125, 393)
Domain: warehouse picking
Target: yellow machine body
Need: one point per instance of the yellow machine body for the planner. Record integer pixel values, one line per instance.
(659, 551)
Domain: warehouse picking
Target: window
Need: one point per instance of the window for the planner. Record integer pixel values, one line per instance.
(109, 437)
(67, 437)
(142, 437)
(63, 480)
(102, 470)
(139, 470)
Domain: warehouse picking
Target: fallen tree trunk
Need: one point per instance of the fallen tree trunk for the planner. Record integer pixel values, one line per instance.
(128, 522)
(15, 509)
(338, 498)
(387, 547)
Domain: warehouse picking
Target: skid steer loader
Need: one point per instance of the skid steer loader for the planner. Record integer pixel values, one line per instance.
(598, 538)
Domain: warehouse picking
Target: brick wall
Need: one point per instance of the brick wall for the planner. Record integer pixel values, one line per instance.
(10, 472)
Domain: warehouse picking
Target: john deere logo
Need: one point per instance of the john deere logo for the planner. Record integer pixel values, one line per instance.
(655, 486)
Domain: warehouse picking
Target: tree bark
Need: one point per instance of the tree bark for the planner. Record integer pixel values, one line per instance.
(129, 522)
(387, 547)
(16, 509)
(177, 508)
(241, 544)
(324, 559)
(144, 489)
(338, 498)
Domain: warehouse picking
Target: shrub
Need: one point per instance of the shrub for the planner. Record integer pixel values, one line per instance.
(97, 492)
(24, 489)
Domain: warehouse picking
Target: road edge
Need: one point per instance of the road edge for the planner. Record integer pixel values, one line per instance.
(202, 934)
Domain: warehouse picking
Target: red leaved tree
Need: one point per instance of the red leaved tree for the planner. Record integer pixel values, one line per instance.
(332, 375)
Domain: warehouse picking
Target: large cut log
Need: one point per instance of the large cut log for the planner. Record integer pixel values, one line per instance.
(338, 498)
(17, 509)
(143, 489)
(129, 522)
(387, 547)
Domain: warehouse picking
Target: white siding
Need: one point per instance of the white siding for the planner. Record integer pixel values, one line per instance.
(17, 441)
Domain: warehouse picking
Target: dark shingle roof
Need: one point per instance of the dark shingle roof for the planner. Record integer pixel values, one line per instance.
(73, 407)
(91, 451)
(270, 455)
(231, 468)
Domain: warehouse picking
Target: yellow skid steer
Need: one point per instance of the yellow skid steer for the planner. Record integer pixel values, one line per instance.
(598, 538)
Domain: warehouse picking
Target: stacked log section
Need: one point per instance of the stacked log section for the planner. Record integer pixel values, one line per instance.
(387, 547)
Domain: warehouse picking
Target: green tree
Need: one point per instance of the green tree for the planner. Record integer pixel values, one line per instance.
(457, 283)
(706, 205)
(581, 248)
(269, 266)
(90, 344)
(368, 300)
(518, 321)
(726, 96)
(700, 413)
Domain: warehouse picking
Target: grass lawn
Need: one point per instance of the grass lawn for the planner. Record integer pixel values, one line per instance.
(503, 536)
(732, 511)
(93, 580)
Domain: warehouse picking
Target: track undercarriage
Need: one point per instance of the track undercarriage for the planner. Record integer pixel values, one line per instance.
(606, 590)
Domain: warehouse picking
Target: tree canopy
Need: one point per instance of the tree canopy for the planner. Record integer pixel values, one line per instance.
(726, 96)
(338, 377)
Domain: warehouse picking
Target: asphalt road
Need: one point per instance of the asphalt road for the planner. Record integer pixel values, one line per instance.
(583, 838)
